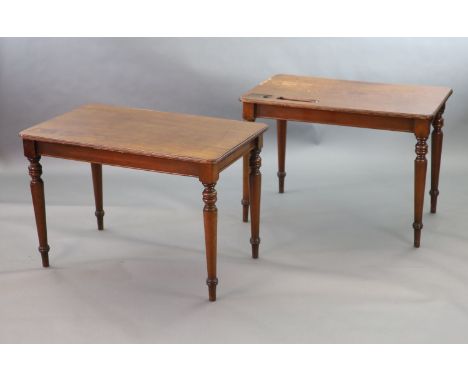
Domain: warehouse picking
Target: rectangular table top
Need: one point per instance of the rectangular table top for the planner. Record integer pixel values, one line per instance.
(147, 132)
(411, 101)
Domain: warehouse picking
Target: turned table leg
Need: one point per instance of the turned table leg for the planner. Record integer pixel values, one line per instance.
(436, 148)
(37, 193)
(281, 132)
(255, 192)
(96, 170)
(245, 189)
(420, 168)
(210, 218)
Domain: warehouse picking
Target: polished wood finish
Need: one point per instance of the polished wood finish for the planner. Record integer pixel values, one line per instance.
(179, 144)
(281, 135)
(391, 100)
(248, 115)
(420, 169)
(255, 179)
(436, 148)
(342, 118)
(210, 218)
(403, 108)
(245, 189)
(37, 193)
(145, 132)
(96, 170)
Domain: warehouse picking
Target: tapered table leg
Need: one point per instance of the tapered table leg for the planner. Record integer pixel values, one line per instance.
(37, 193)
(210, 217)
(245, 189)
(281, 126)
(255, 192)
(436, 154)
(96, 170)
(420, 168)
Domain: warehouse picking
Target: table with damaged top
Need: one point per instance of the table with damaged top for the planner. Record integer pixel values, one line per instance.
(403, 108)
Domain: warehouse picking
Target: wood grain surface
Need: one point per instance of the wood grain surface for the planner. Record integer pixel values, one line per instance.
(147, 132)
(413, 101)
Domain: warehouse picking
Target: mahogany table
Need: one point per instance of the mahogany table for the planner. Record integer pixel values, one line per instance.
(405, 108)
(179, 144)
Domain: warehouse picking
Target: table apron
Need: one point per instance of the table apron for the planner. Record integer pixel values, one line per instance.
(141, 162)
(334, 118)
(207, 172)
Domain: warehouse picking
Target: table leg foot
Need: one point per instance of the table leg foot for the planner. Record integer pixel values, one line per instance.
(212, 283)
(255, 244)
(44, 251)
(417, 234)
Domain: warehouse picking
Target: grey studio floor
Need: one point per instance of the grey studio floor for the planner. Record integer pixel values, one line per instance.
(336, 265)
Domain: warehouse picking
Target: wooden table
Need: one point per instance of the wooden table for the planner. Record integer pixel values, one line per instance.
(149, 140)
(406, 108)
